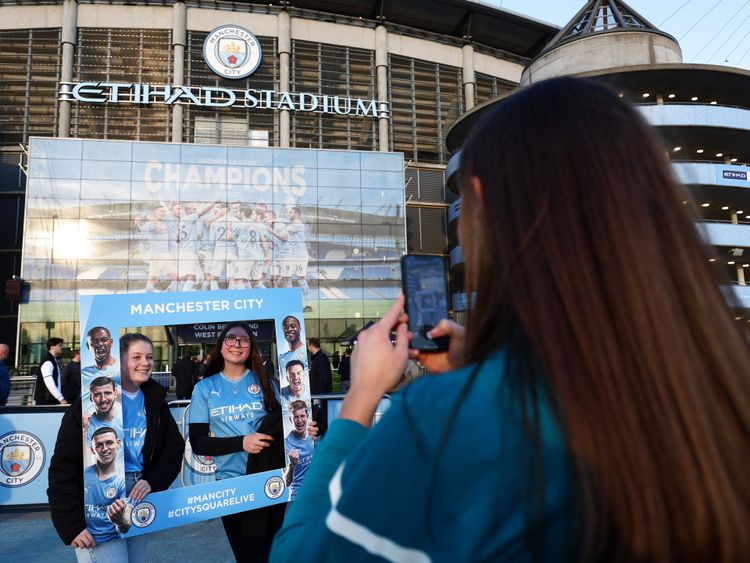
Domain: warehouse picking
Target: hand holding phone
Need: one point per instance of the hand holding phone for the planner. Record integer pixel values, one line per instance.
(426, 292)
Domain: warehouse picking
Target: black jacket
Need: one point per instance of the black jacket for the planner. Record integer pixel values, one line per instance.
(320, 373)
(42, 396)
(162, 459)
(265, 521)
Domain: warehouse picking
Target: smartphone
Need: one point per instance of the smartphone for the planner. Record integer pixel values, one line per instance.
(426, 290)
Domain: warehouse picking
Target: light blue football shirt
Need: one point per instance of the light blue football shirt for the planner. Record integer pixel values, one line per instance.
(98, 495)
(305, 447)
(134, 429)
(231, 408)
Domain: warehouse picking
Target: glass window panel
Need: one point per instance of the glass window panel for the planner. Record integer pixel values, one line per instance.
(159, 152)
(345, 198)
(58, 168)
(339, 160)
(339, 178)
(109, 151)
(58, 188)
(382, 161)
(295, 157)
(50, 207)
(250, 157)
(104, 170)
(106, 189)
(380, 197)
(200, 154)
(383, 180)
(52, 148)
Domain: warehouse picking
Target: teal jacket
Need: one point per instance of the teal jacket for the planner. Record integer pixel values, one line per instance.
(386, 494)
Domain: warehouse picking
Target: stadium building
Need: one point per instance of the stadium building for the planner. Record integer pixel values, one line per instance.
(116, 132)
(702, 112)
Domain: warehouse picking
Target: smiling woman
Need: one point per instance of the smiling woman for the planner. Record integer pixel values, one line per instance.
(153, 449)
(229, 413)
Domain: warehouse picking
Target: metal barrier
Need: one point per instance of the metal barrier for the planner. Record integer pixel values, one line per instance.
(165, 379)
(21, 391)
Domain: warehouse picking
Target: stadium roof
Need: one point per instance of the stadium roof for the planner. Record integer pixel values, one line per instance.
(484, 24)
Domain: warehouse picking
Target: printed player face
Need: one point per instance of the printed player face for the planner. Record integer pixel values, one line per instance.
(299, 419)
(103, 398)
(100, 343)
(236, 354)
(105, 447)
(296, 373)
(290, 326)
(140, 362)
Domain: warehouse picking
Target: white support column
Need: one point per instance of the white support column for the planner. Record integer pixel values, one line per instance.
(285, 51)
(381, 66)
(68, 43)
(179, 41)
(467, 73)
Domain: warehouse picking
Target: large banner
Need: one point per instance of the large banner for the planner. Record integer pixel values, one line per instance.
(124, 216)
(104, 320)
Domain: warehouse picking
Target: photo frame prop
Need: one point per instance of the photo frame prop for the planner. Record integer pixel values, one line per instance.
(103, 318)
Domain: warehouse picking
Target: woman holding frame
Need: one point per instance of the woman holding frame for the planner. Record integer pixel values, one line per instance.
(235, 417)
(153, 448)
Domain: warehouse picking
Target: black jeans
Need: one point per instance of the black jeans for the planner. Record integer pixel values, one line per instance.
(246, 549)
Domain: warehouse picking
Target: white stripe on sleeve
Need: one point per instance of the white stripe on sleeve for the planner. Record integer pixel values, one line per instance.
(358, 534)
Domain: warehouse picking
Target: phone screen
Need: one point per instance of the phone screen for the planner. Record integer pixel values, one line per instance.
(426, 291)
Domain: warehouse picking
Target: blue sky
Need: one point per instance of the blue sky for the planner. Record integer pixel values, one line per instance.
(709, 31)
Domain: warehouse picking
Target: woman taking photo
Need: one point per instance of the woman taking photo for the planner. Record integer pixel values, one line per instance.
(597, 406)
(235, 412)
(153, 448)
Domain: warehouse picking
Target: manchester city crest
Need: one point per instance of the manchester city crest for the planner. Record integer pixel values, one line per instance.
(231, 51)
(110, 492)
(201, 464)
(253, 389)
(274, 487)
(21, 458)
(143, 514)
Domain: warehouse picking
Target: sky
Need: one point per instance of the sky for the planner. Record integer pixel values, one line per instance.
(709, 31)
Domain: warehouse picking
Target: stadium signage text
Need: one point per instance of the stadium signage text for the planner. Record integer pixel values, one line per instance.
(218, 97)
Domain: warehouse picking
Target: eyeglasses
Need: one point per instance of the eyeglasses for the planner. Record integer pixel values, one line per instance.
(231, 341)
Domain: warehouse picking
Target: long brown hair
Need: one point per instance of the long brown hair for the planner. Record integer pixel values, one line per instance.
(253, 362)
(588, 266)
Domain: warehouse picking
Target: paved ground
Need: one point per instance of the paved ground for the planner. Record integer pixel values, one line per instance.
(30, 537)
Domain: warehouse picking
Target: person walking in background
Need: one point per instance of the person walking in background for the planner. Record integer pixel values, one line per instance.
(47, 391)
(596, 404)
(71, 377)
(335, 360)
(320, 368)
(184, 374)
(4, 375)
(344, 371)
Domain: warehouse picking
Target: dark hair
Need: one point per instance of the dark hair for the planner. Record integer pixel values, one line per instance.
(103, 430)
(126, 340)
(101, 381)
(94, 329)
(54, 341)
(292, 363)
(253, 362)
(588, 268)
(314, 341)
